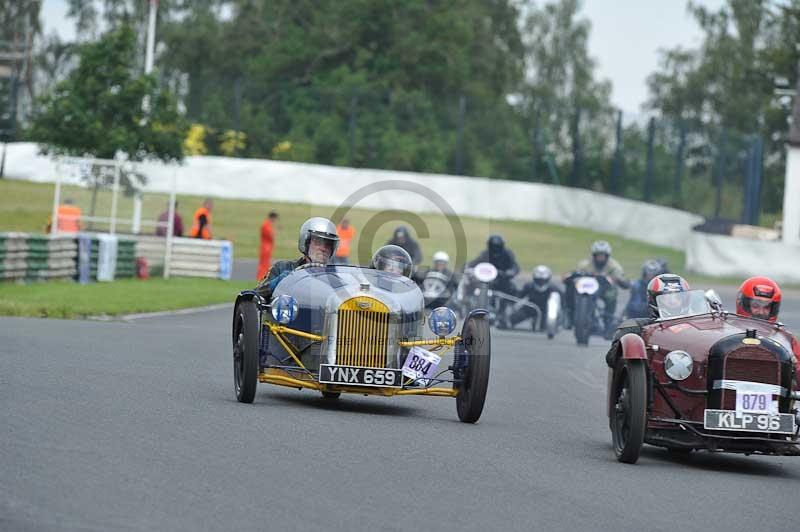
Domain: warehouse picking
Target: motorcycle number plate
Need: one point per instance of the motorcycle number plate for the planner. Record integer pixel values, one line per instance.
(587, 285)
(485, 272)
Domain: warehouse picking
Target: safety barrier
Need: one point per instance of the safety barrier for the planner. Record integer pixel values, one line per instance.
(255, 179)
(728, 256)
(102, 257)
(37, 257)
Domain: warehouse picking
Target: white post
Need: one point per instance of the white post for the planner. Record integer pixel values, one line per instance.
(170, 223)
(150, 49)
(114, 198)
(136, 224)
(56, 200)
(791, 196)
(151, 38)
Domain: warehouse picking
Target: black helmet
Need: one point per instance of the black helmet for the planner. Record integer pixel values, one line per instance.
(664, 284)
(393, 259)
(495, 243)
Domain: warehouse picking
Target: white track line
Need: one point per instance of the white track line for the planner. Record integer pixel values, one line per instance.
(178, 312)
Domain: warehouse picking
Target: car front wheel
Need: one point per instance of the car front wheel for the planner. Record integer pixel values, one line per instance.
(245, 351)
(629, 411)
(475, 378)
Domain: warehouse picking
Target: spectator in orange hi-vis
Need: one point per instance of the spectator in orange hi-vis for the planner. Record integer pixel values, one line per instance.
(201, 222)
(267, 245)
(346, 234)
(68, 216)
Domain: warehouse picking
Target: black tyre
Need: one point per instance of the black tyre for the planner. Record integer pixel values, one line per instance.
(584, 313)
(475, 379)
(331, 396)
(629, 411)
(246, 330)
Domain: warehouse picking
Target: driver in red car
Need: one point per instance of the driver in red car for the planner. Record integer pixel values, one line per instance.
(666, 283)
(759, 297)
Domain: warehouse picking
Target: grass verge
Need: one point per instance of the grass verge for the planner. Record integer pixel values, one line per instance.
(65, 299)
(26, 206)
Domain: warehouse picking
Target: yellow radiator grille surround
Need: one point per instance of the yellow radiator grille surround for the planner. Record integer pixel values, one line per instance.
(362, 334)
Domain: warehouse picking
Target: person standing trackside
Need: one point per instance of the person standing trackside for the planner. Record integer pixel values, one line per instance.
(163, 221)
(346, 234)
(267, 244)
(201, 222)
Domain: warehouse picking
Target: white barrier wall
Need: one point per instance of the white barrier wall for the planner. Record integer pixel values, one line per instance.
(257, 179)
(727, 256)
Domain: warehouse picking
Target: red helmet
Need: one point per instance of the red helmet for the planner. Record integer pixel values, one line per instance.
(759, 297)
(664, 284)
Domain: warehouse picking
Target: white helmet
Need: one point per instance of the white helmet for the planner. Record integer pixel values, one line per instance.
(320, 227)
(441, 256)
(541, 277)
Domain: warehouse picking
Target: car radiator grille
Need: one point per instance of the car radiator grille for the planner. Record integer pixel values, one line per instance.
(362, 333)
(749, 364)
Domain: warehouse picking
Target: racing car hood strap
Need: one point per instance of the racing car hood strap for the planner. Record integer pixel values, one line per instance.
(752, 387)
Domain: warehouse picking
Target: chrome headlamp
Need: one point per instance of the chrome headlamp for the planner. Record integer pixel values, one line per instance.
(442, 321)
(284, 309)
(678, 365)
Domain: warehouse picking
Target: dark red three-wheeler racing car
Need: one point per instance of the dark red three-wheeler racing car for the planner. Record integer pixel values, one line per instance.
(699, 378)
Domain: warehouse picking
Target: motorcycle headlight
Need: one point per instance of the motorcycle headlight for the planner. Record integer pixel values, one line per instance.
(284, 309)
(442, 321)
(678, 365)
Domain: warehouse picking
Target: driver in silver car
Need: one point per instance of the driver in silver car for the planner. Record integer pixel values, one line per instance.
(317, 242)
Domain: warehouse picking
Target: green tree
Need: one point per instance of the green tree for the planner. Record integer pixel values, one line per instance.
(725, 89)
(97, 110)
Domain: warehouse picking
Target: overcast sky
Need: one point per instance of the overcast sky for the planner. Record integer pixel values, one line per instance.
(625, 39)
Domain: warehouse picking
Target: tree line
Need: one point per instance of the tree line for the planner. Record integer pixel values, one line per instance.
(497, 88)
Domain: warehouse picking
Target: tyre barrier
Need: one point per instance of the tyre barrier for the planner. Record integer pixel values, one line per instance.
(33, 257)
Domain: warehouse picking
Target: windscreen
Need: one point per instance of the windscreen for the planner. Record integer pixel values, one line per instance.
(675, 304)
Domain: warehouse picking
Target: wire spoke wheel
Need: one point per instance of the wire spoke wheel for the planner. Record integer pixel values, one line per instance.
(629, 411)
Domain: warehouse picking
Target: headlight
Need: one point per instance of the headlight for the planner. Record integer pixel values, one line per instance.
(678, 365)
(284, 309)
(442, 321)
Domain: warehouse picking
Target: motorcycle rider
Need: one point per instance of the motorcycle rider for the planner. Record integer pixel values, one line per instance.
(666, 283)
(601, 263)
(637, 302)
(439, 274)
(759, 297)
(402, 238)
(317, 243)
(504, 260)
(537, 292)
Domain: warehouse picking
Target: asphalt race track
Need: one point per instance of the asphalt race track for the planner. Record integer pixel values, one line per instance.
(135, 426)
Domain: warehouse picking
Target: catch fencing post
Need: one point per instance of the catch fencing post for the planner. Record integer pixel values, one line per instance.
(616, 167)
(648, 180)
(56, 199)
(720, 171)
(352, 128)
(462, 111)
(679, 156)
(575, 175)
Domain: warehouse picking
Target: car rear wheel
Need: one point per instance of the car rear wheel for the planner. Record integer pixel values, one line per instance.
(629, 411)
(245, 351)
(475, 378)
